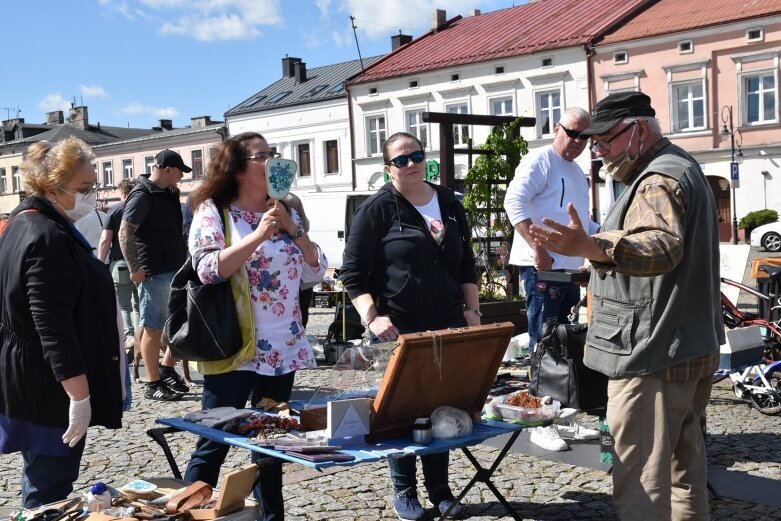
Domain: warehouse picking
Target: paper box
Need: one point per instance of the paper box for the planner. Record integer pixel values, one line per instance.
(744, 346)
(234, 489)
(347, 418)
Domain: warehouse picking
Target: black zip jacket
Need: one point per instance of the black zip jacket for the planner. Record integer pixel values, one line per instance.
(391, 255)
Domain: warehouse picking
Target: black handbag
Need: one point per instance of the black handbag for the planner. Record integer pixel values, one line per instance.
(557, 369)
(202, 324)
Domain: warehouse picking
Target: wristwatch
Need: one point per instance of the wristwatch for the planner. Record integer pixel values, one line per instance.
(475, 310)
(299, 232)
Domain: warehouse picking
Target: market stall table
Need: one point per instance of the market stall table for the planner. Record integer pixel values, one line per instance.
(366, 452)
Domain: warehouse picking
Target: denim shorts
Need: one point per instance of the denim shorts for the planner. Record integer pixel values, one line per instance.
(153, 299)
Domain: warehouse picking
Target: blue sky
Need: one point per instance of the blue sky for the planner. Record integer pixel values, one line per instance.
(133, 62)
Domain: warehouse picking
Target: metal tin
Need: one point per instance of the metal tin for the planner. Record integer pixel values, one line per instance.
(421, 431)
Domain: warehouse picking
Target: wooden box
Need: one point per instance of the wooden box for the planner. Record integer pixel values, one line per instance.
(454, 367)
(236, 486)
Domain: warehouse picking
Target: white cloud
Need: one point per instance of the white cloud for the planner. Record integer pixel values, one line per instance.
(54, 101)
(92, 91)
(158, 112)
(324, 6)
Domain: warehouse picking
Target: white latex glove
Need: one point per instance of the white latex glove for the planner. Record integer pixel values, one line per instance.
(79, 416)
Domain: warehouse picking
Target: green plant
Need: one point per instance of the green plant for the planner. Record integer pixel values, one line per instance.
(753, 219)
(486, 182)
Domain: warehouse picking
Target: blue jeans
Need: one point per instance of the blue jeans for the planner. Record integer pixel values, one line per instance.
(46, 479)
(232, 390)
(153, 300)
(546, 300)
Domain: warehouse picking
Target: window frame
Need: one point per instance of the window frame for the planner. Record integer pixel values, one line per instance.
(16, 178)
(457, 135)
(743, 78)
(110, 169)
(198, 171)
(618, 60)
(327, 155)
(381, 134)
(304, 167)
(149, 162)
(3, 181)
(674, 123)
(127, 165)
(417, 126)
(538, 110)
(501, 98)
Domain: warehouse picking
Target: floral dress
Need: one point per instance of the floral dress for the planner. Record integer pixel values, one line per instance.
(275, 270)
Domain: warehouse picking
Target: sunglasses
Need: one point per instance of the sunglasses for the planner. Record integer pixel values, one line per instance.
(605, 145)
(262, 156)
(574, 134)
(402, 161)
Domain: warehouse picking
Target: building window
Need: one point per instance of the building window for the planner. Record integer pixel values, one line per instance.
(3, 181)
(548, 111)
(760, 101)
(331, 156)
(108, 174)
(501, 106)
(304, 160)
(688, 106)
(460, 132)
(196, 163)
(755, 35)
(127, 169)
(416, 126)
(278, 96)
(547, 62)
(620, 57)
(375, 135)
(149, 162)
(17, 178)
(212, 153)
(685, 47)
(499, 69)
(456, 76)
(413, 84)
(373, 91)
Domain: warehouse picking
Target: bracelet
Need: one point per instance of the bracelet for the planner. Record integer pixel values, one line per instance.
(475, 310)
(368, 322)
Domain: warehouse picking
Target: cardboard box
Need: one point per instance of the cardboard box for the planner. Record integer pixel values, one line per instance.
(234, 489)
(744, 346)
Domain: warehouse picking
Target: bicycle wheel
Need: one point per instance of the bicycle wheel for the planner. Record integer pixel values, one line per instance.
(769, 403)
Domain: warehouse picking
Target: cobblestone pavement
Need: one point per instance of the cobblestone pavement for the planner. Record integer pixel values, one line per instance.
(739, 439)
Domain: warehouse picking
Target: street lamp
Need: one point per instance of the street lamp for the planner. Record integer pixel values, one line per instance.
(731, 132)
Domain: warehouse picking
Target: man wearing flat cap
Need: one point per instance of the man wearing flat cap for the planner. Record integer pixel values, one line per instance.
(151, 241)
(655, 325)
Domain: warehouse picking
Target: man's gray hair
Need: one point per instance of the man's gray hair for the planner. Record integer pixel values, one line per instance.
(653, 123)
(575, 113)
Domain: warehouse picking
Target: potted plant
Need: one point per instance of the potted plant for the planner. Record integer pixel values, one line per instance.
(486, 183)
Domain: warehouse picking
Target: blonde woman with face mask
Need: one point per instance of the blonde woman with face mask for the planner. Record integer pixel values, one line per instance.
(60, 363)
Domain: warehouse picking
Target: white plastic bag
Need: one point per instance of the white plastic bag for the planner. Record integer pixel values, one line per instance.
(449, 422)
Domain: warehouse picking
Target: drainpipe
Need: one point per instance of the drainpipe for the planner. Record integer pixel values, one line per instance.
(594, 176)
(352, 134)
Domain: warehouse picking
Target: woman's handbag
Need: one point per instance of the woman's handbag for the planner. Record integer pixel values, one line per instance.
(557, 369)
(202, 324)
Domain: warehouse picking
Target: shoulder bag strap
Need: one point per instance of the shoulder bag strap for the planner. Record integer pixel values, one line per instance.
(14, 217)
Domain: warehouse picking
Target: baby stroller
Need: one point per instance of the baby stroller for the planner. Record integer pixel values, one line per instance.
(345, 327)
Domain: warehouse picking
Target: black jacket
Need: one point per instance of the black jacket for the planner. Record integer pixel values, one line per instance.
(391, 255)
(57, 320)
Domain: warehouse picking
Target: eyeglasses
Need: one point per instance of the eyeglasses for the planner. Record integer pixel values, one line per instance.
(574, 134)
(402, 161)
(605, 145)
(85, 192)
(263, 156)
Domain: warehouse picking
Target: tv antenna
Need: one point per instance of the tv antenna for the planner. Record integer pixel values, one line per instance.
(355, 34)
(8, 110)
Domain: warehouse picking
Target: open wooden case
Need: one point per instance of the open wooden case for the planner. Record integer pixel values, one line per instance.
(454, 367)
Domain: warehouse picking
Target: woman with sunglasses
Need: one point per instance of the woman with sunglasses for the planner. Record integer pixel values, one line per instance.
(239, 233)
(61, 358)
(409, 267)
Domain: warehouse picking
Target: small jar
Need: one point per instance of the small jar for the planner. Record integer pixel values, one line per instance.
(421, 431)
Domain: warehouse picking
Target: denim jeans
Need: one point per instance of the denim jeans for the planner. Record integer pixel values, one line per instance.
(546, 300)
(232, 389)
(127, 297)
(153, 300)
(46, 479)
(403, 471)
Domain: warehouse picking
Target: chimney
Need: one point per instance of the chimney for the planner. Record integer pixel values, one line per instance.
(78, 116)
(475, 12)
(55, 118)
(165, 124)
(299, 69)
(13, 121)
(201, 121)
(397, 40)
(287, 66)
(438, 18)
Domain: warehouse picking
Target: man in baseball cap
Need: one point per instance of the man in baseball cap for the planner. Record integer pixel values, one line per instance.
(169, 158)
(655, 325)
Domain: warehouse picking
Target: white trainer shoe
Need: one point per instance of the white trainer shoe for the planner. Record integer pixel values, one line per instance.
(547, 438)
(577, 431)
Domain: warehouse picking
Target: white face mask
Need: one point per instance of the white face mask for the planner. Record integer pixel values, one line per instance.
(85, 203)
(620, 168)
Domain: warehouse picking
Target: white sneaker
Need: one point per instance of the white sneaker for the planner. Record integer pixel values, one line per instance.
(547, 438)
(576, 431)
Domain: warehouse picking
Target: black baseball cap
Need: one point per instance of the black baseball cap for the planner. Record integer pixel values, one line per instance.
(172, 159)
(611, 110)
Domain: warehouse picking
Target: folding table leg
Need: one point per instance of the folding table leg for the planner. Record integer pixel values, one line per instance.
(484, 476)
(158, 434)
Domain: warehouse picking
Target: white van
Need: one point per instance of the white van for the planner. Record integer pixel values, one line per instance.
(330, 214)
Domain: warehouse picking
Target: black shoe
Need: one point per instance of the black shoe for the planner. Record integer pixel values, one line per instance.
(160, 391)
(171, 378)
